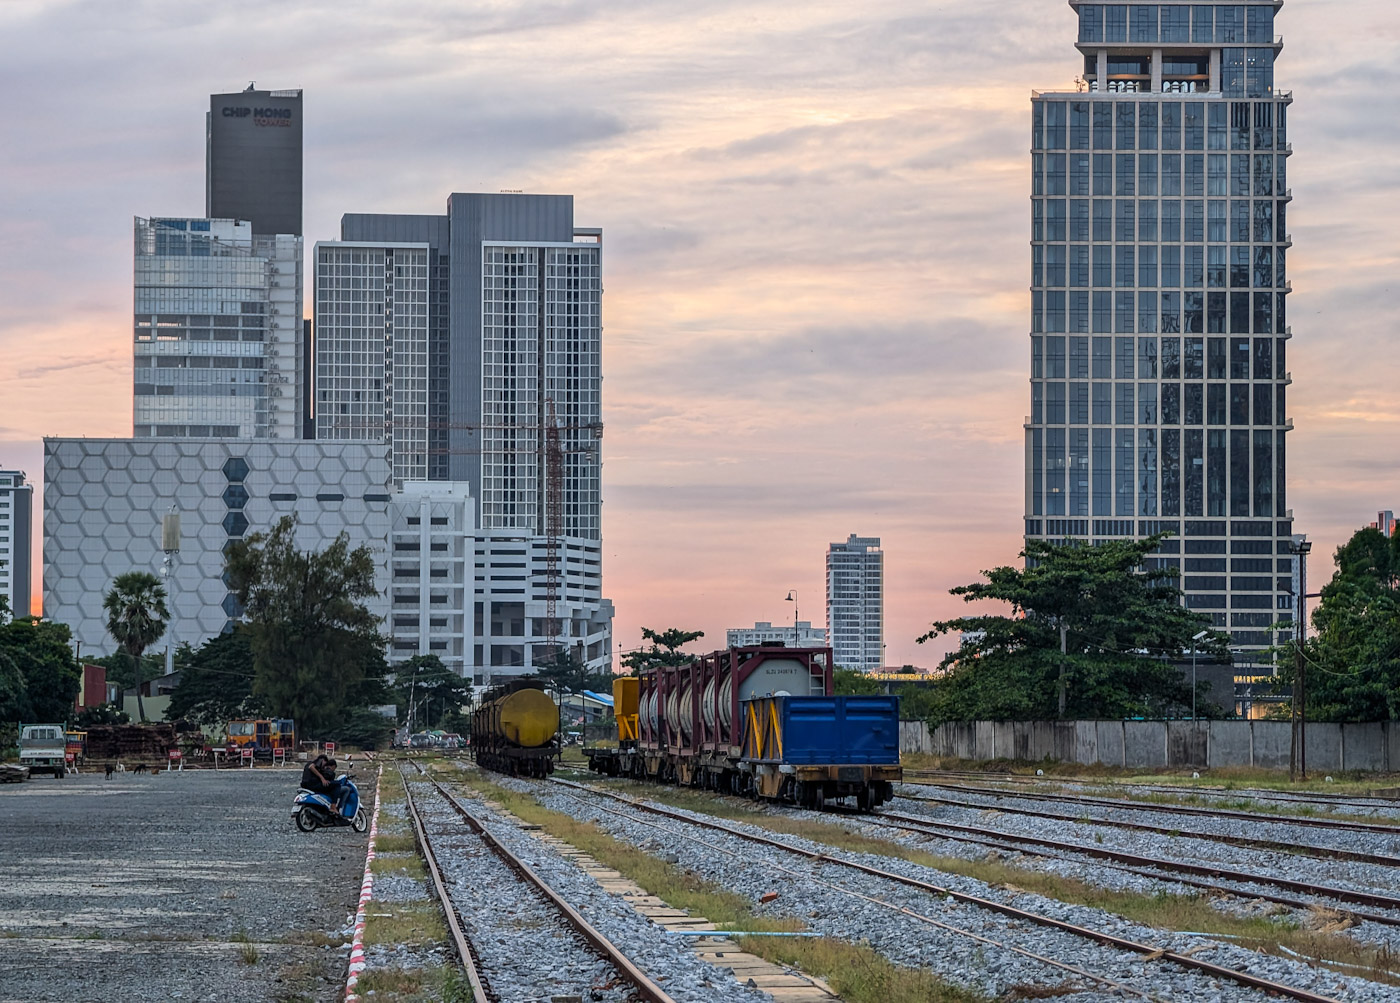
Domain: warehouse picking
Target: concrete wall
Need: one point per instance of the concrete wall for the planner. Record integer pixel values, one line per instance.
(1142, 744)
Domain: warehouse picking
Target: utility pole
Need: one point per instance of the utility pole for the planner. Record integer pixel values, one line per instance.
(1302, 713)
(1064, 663)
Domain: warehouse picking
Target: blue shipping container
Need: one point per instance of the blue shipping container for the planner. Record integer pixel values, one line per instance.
(814, 731)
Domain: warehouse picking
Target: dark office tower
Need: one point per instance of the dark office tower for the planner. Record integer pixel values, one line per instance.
(253, 160)
(1159, 329)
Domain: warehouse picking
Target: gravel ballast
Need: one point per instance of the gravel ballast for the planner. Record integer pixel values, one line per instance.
(817, 893)
(525, 947)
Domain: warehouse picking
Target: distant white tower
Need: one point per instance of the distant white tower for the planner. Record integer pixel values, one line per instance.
(855, 602)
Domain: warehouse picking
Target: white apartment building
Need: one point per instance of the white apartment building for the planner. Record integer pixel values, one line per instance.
(800, 635)
(16, 520)
(371, 313)
(855, 602)
(217, 330)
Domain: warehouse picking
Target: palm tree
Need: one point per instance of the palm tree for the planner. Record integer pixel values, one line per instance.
(136, 617)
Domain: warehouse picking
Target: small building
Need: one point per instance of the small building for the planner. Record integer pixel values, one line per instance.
(800, 635)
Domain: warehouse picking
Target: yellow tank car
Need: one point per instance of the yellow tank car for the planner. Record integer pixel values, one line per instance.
(515, 730)
(527, 718)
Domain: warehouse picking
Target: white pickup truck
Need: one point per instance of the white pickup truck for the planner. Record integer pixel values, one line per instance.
(41, 748)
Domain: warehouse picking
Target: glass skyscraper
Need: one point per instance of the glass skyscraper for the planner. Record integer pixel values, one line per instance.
(1159, 287)
(217, 330)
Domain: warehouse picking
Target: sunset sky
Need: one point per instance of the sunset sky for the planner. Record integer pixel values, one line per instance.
(816, 253)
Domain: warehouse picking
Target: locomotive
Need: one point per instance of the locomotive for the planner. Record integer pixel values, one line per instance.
(755, 721)
(515, 730)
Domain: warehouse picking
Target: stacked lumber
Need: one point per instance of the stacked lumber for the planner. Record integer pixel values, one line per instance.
(130, 742)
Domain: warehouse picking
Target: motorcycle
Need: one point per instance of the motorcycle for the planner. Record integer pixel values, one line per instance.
(313, 811)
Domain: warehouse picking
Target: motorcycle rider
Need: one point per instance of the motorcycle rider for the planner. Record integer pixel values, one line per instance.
(319, 778)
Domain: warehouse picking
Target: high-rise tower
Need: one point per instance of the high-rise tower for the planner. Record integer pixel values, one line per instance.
(1158, 320)
(855, 602)
(253, 159)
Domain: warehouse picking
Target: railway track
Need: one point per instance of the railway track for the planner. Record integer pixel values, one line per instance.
(641, 985)
(1145, 951)
(1249, 842)
(1180, 872)
(1328, 801)
(1334, 824)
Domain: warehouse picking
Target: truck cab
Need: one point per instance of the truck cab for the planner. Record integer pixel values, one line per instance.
(41, 748)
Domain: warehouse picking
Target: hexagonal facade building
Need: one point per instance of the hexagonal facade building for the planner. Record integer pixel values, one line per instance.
(105, 501)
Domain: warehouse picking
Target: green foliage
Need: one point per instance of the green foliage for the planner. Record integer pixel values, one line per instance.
(852, 682)
(106, 713)
(364, 728)
(216, 681)
(568, 672)
(664, 650)
(136, 616)
(1120, 623)
(435, 689)
(14, 696)
(1353, 662)
(39, 650)
(317, 654)
(120, 668)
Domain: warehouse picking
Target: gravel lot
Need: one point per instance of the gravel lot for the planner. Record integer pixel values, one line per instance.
(135, 888)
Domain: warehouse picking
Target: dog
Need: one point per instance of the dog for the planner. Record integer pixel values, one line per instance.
(111, 768)
(139, 768)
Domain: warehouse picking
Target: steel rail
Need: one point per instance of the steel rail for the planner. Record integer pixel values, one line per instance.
(903, 910)
(1301, 849)
(460, 943)
(1137, 864)
(647, 989)
(1175, 809)
(1122, 943)
(1246, 793)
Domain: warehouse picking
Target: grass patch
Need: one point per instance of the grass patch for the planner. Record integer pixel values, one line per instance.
(857, 972)
(248, 954)
(407, 864)
(1318, 938)
(395, 843)
(413, 923)
(395, 981)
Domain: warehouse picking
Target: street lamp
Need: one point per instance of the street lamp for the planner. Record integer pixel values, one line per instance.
(792, 598)
(1194, 641)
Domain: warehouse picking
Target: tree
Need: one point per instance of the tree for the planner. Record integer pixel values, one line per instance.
(121, 670)
(1354, 657)
(106, 713)
(136, 616)
(216, 681)
(567, 671)
(423, 682)
(13, 692)
(40, 651)
(664, 650)
(316, 647)
(1088, 636)
(853, 682)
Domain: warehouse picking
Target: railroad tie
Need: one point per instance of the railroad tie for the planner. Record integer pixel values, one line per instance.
(785, 985)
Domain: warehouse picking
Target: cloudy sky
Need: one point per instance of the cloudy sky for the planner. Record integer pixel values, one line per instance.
(816, 228)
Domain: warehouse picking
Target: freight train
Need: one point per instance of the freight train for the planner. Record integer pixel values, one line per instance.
(755, 721)
(515, 730)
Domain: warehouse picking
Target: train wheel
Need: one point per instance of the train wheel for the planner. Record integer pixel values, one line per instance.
(865, 799)
(818, 797)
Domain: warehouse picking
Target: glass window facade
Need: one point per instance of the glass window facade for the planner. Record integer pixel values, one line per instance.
(1170, 274)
